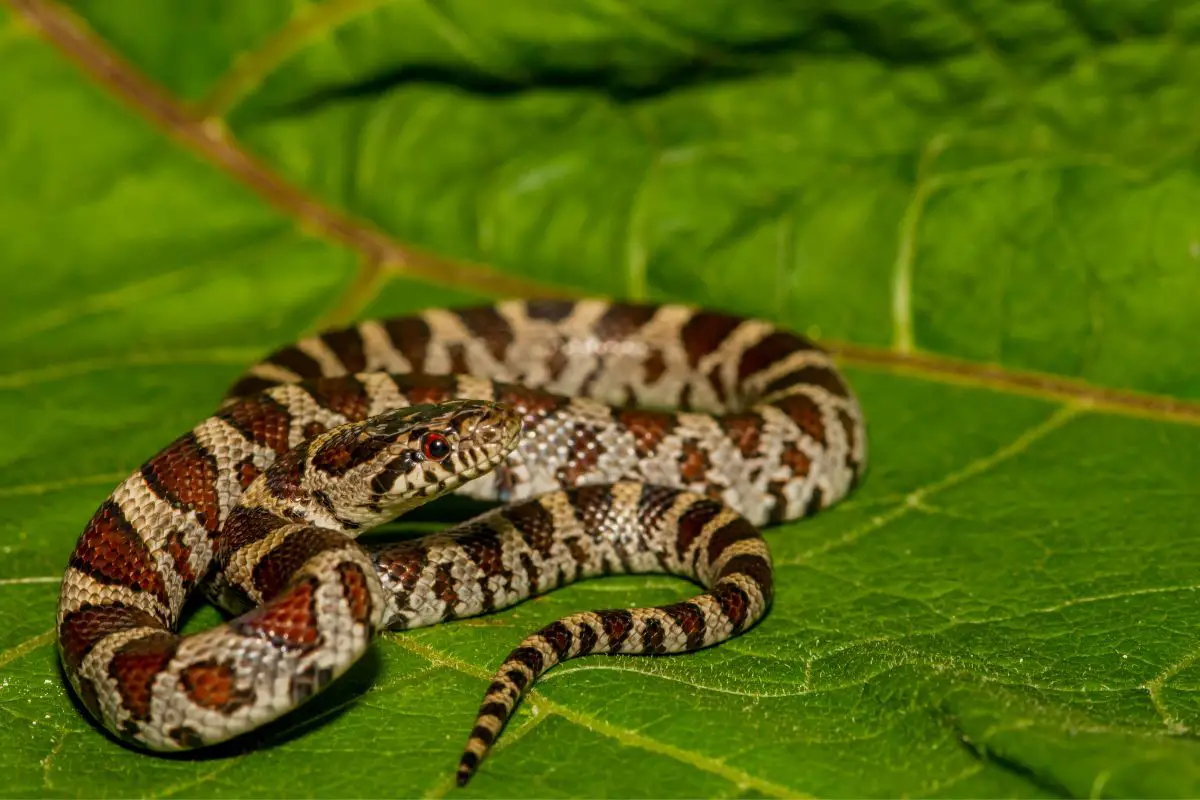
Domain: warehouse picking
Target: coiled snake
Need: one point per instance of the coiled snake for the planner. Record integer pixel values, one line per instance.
(546, 406)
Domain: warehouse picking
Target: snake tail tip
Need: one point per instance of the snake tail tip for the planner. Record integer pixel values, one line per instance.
(466, 769)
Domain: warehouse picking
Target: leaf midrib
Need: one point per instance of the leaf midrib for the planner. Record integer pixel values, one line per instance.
(383, 256)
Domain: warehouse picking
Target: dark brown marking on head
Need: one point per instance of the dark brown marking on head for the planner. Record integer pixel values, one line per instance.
(771, 349)
(186, 737)
(112, 553)
(693, 462)
(734, 603)
(135, 665)
(692, 521)
(386, 478)
(181, 557)
(623, 320)
(648, 428)
(262, 420)
(704, 332)
(745, 430)
(347, 449)
(297, 361)
(690, 619)
(185, 475)
(737, 530)
(486, 323)
(617, 624)
(653, 637)
(755, 567)
(275, 569)
(549, 310)
(410, 337)
(308, 682)
(347, 345)
(322, 498)
(805, 412)
(288, 622)
(212, 685)
(587, 638)
(344, 395)
(559, 638)
(83, 628)
(813, 375)
(247, 472)
(530, 657)
(534, 523)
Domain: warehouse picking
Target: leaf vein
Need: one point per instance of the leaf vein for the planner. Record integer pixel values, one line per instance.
(626, 737)
(24, 648)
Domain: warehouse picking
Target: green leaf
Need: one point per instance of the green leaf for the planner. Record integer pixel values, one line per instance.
(990, 212)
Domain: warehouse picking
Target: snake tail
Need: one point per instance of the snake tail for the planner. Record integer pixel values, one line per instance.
(627, 528)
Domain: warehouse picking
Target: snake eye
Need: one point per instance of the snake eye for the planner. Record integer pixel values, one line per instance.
(434, 446)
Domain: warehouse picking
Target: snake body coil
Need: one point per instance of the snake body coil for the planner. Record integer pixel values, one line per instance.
(546, 406)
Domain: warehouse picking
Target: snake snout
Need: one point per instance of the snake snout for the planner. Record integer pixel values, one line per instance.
(495, 430)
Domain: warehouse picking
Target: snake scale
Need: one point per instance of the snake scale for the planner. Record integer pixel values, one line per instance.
(620, 438)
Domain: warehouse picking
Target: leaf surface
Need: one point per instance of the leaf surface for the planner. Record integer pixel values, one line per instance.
(952, 197)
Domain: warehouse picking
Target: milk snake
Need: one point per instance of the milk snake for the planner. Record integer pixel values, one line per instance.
(622, 438)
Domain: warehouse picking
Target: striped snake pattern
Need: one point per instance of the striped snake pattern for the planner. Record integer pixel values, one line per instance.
(619, 438)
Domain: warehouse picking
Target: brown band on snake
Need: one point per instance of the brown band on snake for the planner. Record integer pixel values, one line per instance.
(527, 403)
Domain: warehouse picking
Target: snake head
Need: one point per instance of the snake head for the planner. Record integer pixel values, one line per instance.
(368, 472)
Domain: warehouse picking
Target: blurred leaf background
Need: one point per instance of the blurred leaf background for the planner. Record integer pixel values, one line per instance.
(988, 207)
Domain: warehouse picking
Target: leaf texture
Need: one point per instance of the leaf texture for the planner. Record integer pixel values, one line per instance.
(987, 207)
